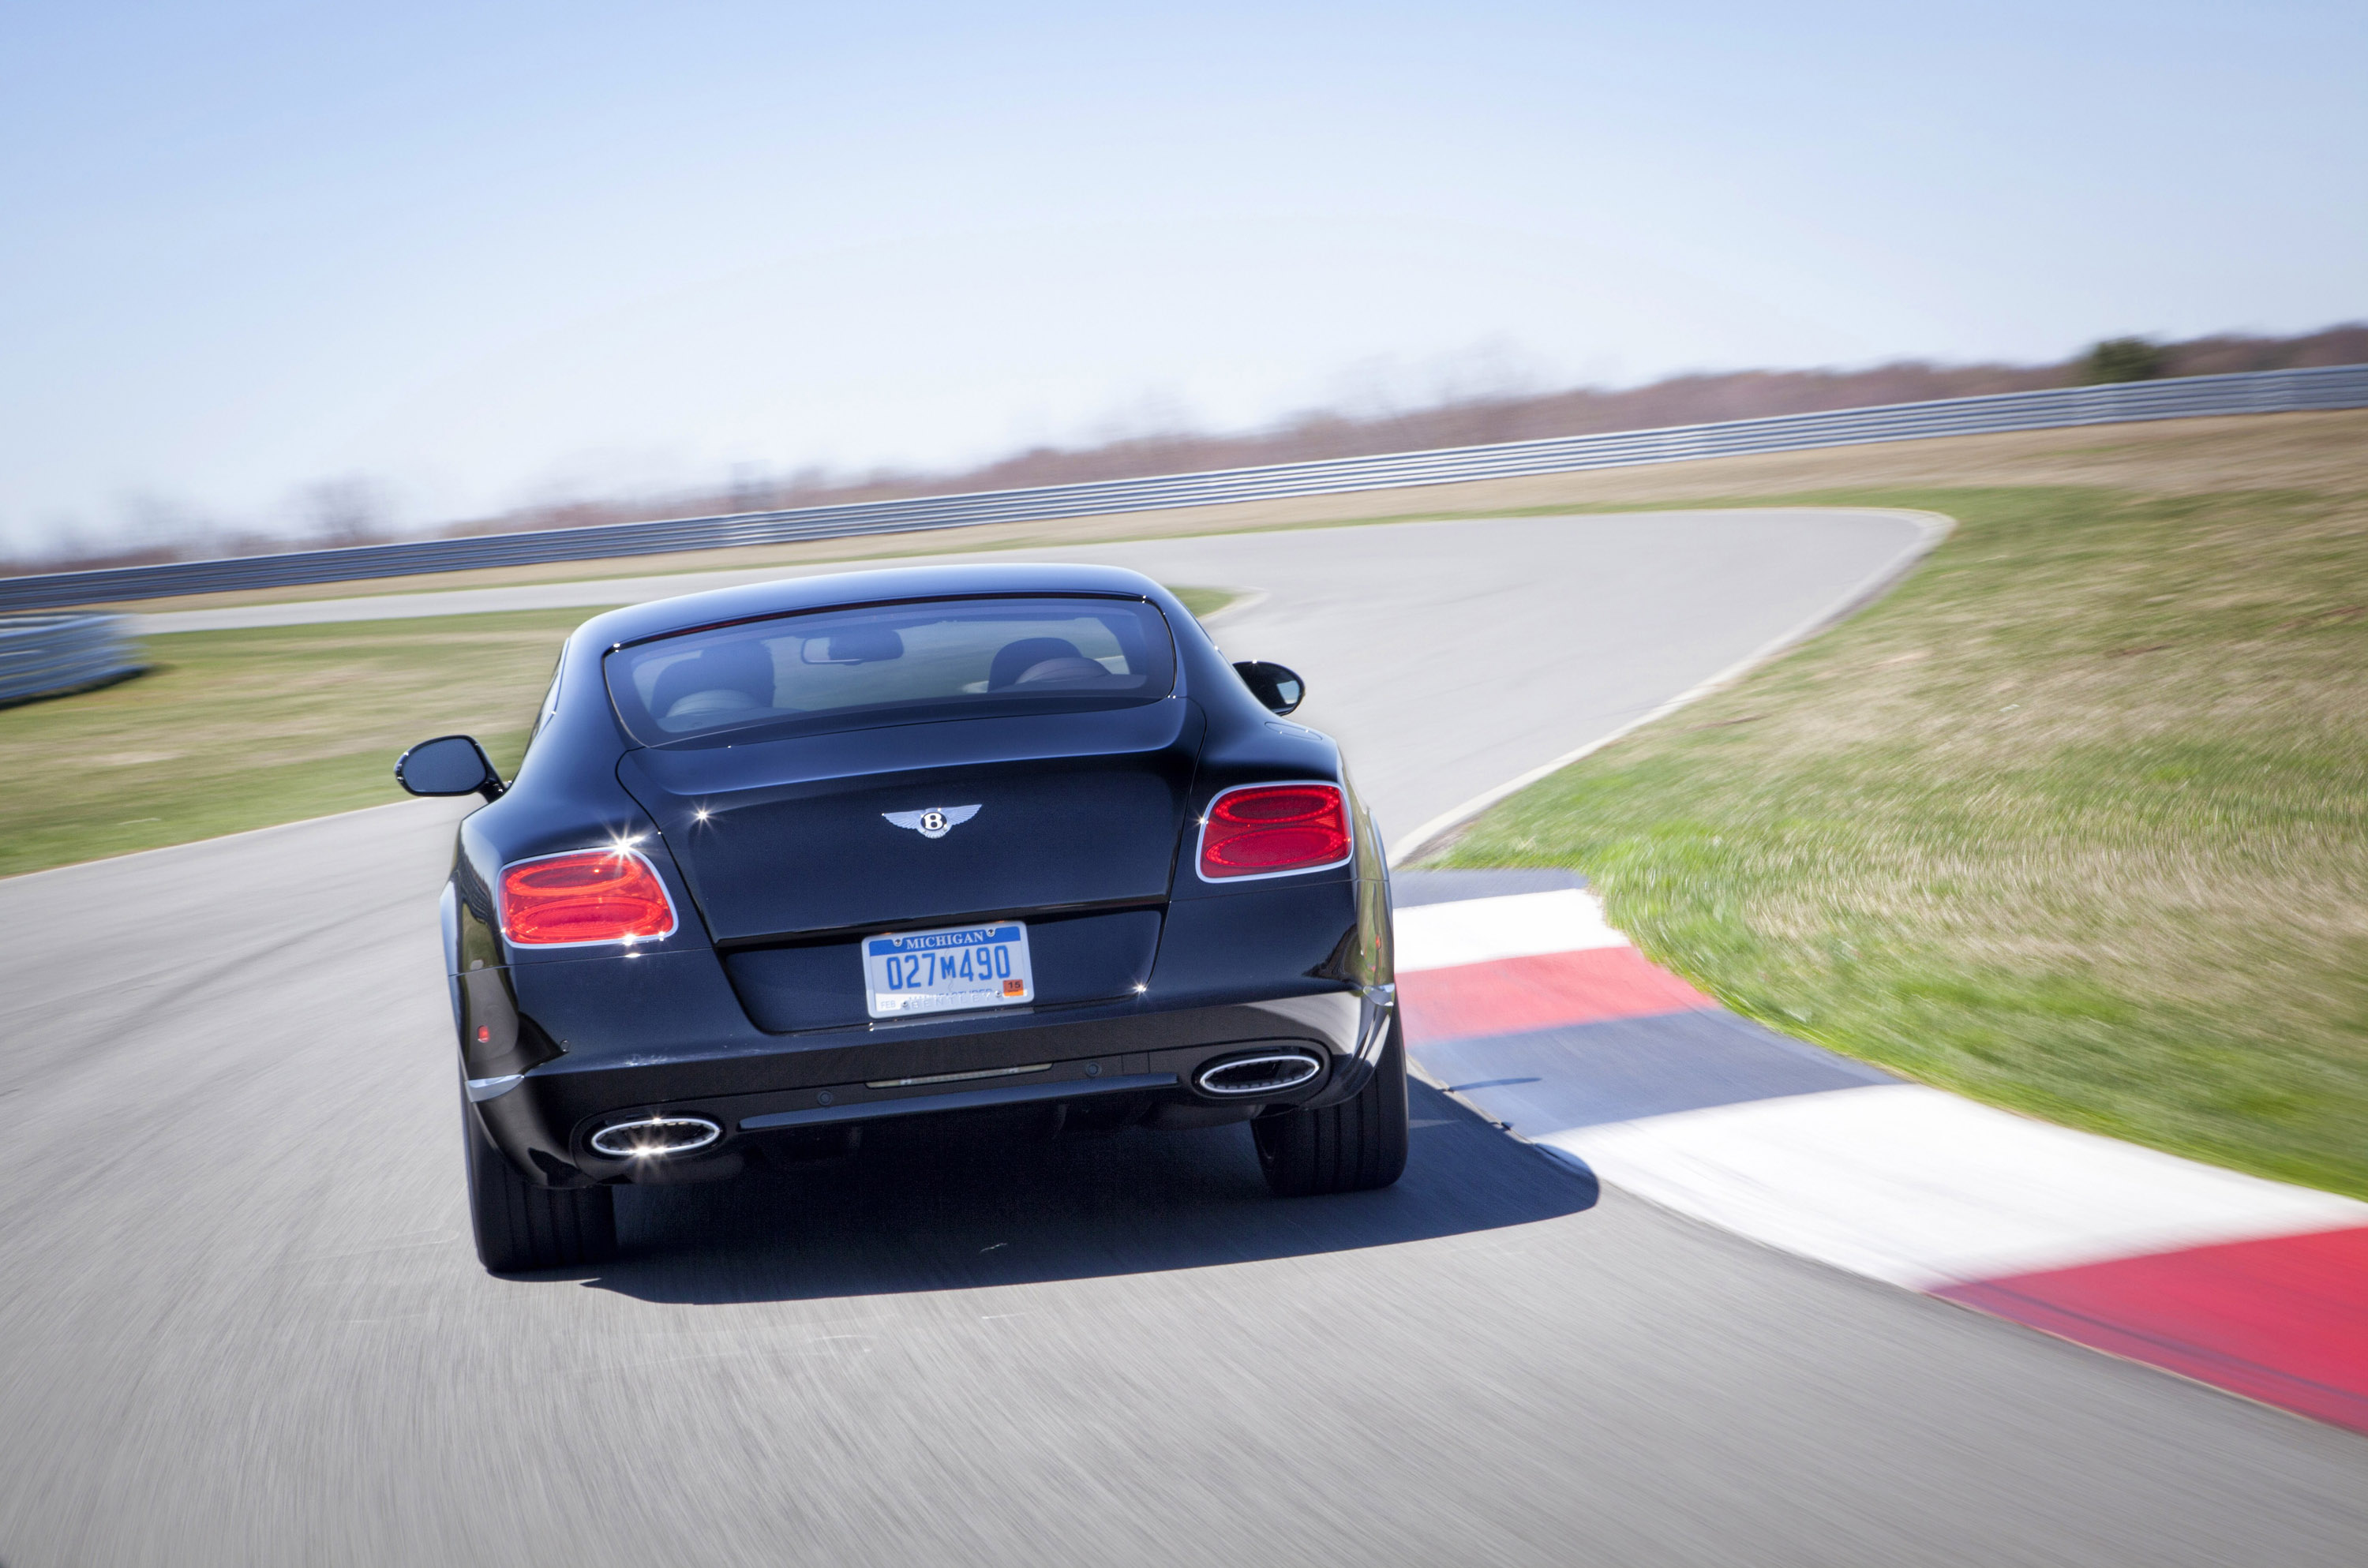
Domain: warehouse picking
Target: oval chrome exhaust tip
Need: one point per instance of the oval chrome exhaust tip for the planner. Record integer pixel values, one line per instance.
(654, 1137)
(1268, 1073)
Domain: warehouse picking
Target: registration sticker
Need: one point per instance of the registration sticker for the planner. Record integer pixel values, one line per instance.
(938, 971)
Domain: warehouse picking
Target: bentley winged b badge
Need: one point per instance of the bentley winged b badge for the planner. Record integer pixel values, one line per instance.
(934, 823)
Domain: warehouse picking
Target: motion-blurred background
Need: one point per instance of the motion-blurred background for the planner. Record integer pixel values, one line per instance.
(284, 272)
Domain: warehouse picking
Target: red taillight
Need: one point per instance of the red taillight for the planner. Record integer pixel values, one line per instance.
(1263, 830)
(598, 895)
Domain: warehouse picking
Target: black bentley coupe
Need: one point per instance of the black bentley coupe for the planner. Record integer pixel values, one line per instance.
(784, 861)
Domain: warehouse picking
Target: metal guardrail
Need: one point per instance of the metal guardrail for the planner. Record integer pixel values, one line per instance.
(2262, 391)
(42, 656)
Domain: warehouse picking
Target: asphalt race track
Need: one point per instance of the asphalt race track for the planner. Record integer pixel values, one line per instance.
(240, 1321)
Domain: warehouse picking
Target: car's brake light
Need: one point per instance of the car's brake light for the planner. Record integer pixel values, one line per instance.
(1265, 830)
(593, 895)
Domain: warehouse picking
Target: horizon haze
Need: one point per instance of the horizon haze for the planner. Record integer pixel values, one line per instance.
(480, 262)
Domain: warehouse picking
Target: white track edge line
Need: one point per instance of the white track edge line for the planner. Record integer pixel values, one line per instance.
(1933, 528)
(199, 843)
(1242, 603)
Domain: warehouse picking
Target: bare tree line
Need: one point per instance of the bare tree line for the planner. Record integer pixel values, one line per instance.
(352, 510)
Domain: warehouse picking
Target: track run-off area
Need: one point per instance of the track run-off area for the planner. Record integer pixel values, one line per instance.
(241, 1321)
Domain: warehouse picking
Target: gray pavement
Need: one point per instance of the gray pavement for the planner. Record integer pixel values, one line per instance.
(240, 1322)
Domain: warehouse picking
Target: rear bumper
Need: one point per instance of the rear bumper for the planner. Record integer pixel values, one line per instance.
(1106, 1066)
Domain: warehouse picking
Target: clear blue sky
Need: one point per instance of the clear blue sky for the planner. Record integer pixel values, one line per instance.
(493, 254)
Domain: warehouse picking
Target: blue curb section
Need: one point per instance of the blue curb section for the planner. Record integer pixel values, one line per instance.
(1553, 1080)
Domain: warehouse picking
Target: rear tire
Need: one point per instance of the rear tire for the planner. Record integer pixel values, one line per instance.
(520, 1226)
(1354, 1146)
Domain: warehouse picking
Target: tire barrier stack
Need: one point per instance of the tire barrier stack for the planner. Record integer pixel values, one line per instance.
(46, 655)
(2260, 391)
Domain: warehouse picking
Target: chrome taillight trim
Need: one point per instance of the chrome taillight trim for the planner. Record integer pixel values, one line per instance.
(1201, 840)
(502, 918)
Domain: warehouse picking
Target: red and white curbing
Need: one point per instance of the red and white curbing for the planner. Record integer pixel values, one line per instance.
(2255, 1285)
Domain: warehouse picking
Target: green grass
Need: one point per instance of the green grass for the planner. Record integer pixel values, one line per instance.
(237, 730)
(1205, 602)
(2076, 821)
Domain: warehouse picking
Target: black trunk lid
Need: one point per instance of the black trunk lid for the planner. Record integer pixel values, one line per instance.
(781, 840)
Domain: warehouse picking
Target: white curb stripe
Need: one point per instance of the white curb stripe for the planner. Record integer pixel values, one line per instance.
(1480, 930)
(1921, 1188)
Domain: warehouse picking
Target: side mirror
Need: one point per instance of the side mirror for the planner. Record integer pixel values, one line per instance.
(1277, 687)
(448, 765)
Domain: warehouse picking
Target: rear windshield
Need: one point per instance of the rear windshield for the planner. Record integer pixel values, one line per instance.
(899, 664)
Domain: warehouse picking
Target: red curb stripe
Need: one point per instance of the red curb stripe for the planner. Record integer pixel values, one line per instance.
(2283, 1321)
(1515, 995)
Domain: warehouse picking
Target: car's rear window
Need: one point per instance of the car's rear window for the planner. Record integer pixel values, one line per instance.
(852, 668)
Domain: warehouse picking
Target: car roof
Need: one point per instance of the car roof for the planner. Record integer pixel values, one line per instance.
(637, 623)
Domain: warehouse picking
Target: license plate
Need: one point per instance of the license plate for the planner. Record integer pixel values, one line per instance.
(937, 972)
